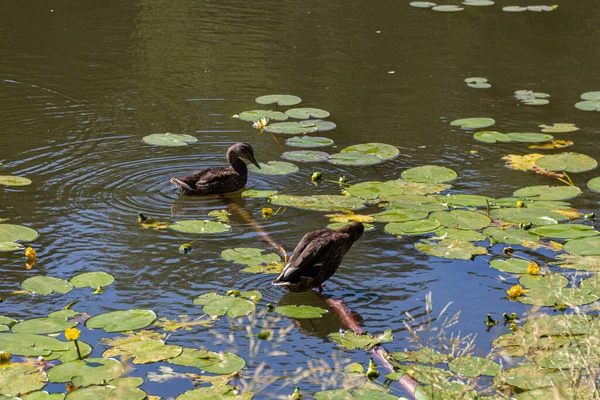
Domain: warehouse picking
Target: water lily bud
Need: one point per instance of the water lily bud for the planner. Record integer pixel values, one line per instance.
(296, 395)
(520, 204)
(560, 307)
(525, 225)
(31, 254)
(510, 317)
(533, 269)
(316, 176)
(267, 212)
(263, 335)
(185, 248)
(489, 321)
(4, 357)
(515, 291)
(343, 179)
(508, 251)
(591, 215)
(372, 372)
(142, 217)
(233, 292)
(513, 327)
(270, 307)
(72, 333)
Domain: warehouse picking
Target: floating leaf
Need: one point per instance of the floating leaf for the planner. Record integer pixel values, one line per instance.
(318, 202)
(42, 395)
(422, 4)
(590, 96)
(91, 371)
(582, 263)
(529, 377)
(121, 388)
(588, 105)
(274, 168)
(382, 150)
(584, 247)
(27, 345)
(355, 158)
(491, 137)
(546, 282)
(200, 226)
(306, 113)
(514, 8)
(568, 358)
(535, 216)
(305, 156)
(477, 82)
(17, 233)
(209, 361)
(546, 192)
(338, 225)
(510, 235)
(459, 234)
(511, 265)
(594, 184)
(92, 279)
(569, 162)
(121, 321)
(565, 231)
(20, 379)
(472, 367)
(12, 180)
(296, 311)
(145, 351)
(9, 247)
(461, 219)
(256, 115)
(218, 305)
(249, 256)
(449, 8)
(453, 249)
(473, 123)
(169, 139)
(522, 163)
(527, 137)
(45, 285)
(258, 194)
(419, 227)
(559, 128)
(358, 394)
(216, 391)
(351, 340)
(429, 174)
(425, 355)
(466, 200)
(279, 99)
(308, 141)
(557, 144)
(36, 326)
(292, 128)
(389, 190)
(399, 215)
(349, 217)
(571, 297)
(71, 353)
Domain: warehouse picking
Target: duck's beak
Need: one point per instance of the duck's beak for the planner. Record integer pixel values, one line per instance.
(253, 160)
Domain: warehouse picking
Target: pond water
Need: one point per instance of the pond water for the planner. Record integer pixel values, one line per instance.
(82, 83)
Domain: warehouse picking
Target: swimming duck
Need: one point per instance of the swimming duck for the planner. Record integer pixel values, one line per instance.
(220, 180)
(317, 257)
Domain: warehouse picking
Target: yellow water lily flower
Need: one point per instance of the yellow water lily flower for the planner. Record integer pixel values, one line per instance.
(260, 124)
(516, 291)
(267, 212)
(30, 253)
(72, 333)
(533, 269)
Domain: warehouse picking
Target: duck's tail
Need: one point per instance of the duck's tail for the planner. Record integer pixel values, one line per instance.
(182, 186)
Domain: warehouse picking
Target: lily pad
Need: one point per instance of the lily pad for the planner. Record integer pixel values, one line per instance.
(145, 351)
(296, 311)
(249, 256)
(510, 235)
(588, 105)
(565, 231)
(21, 379)
(514, 8)
(382, 150)
(459, 234)
(351, 340)
(429, 174)
(529, 137)
(399, 215)
(594, 184)
(546, 282)
(36, 326)
(466, 200)
(320, 124)
(121, 321)
(559, 128)
(318, 202)
(274, 168)
(477, 82)
(535, 216)
(447, 8)
(12, 180)
(355, 158)
(219, 305)
(10, 247)
(591, 96)
(568, 358)
(546, 192)
(529, 377)
(200, 226)
(569, 162)
(169, 139)
(92, 279)
(452, 249)
(491, 137)
(473, 123)
(308, 141)
(572, 297)
(45, 285)
(394, 190)
(584, 247)
(17, 233)
(461, 219)
(472, 367)
(306, 113)
(27, 345)
(71, 353)
(419, 227)
(292, 128)
(42, 395)
(305, 156)
(279, 99)
(121, 388)
(582, 263)
(209, 361)
(216, 391)
(337, 225)
(511, 265)
(357, 394)
(91, 371)
(422, 4)
(256, 115)
(258, 194)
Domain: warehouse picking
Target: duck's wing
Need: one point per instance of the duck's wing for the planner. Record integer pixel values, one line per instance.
(209, 175)
(310, 252)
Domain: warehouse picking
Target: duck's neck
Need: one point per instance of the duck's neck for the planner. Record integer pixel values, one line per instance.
(237, 164)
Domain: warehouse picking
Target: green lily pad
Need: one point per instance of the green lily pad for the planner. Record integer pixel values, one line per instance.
(591, 96)
(91, 371)
(42, 395)
(71, 353)
(338, 225)
(491, 137)
(21, 379)
(511, 265)
(258, 194)
(121, 388)
(321, 124)
(546, 192)
(169, 139)
(351, 340)
(92, 279)
(200, 226)
(514, 8)
(425, 355)
(296, 311)
(7, 321)
(145, 351)
(209, 361)
(355, 158)
(529, 377)
(466, 200)
(318, 202)
(594, 184)
(529, 137)
(547, 282)
(549, 205)
(121, 321)
(357, 394)
(249, 256)
(472, 367)
(306, 113)
(219, 305)
(12, 180)
(568, 358)
(559, 128)
(216, 391)
(477, 83)
(308, 141)
(390, 190)
(36, 326)
(422, 4)
(382, 150)
(565, 231)
(478, 3)
(452, 249)
(569, 162)
(256, 115)
(585, 247)
(27, 345)
(429, 174)
(461, 219)
(279, 99)
(447, 8)
(399, 215)
(10, 247)
(572, 297)
(459, 234)
(510, 235)
(588, 105)
(17, 233)
(305, 156)
(274, 168)
(582, 263)
(473, 123)
(535, 216)
(418, 227)
(45, 285)
(292, 128)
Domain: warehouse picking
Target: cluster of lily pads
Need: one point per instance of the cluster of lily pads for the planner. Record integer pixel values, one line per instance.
(531, 98)
(478, 3)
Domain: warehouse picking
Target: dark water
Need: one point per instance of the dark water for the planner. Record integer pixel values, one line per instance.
(82, 82)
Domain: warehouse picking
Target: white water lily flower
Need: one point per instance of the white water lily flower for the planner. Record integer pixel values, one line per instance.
(260, 124)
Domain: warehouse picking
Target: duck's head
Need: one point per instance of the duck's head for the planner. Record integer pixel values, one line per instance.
(242, 150)
(355, 230)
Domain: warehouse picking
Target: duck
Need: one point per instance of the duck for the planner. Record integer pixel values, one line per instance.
(317, 257)
(219, 180)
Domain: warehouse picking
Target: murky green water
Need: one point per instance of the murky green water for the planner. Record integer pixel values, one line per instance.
(82, 83)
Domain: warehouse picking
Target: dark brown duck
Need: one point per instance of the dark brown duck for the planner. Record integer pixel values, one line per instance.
(317, 257)
(220, 180)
